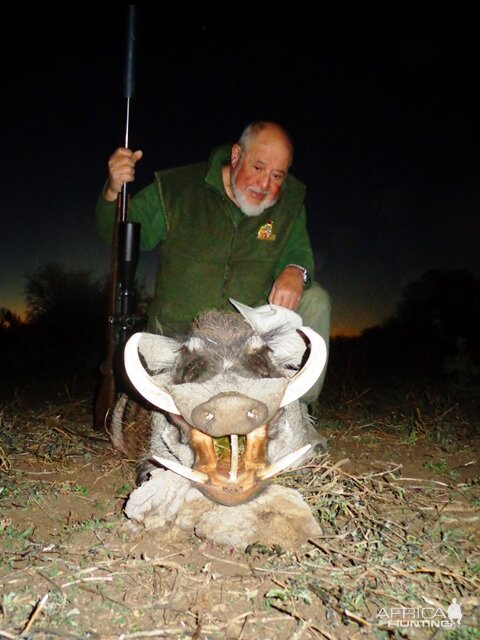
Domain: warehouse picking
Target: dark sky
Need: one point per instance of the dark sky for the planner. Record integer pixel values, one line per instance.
(380, 98)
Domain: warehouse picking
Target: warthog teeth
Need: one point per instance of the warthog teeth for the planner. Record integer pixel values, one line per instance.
(233, 458)
(263, 474)
(281, 464)
(181, 470)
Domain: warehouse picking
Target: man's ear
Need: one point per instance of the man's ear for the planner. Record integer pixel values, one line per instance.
(235, 155)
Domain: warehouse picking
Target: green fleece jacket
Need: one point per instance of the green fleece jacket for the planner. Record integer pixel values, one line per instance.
(209, 251)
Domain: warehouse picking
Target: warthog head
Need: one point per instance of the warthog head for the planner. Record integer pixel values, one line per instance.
(229, 388)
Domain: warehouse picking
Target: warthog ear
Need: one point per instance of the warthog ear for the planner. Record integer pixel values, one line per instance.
(279, 325)
(158, 351)
(268, 316)
(140, 378)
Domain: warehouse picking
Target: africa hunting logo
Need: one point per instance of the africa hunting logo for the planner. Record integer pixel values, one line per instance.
(432, 617)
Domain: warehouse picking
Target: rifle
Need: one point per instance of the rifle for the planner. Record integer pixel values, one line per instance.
(125, 250)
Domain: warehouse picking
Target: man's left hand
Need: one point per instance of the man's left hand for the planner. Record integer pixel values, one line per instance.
(287, 288)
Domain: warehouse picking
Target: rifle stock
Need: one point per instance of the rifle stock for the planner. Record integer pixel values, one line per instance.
(107, 390)
(121, 318)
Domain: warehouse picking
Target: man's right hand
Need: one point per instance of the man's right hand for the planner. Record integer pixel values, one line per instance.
(121, 168)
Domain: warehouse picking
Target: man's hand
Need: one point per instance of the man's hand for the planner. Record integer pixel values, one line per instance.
(121, 168)
(287, 288)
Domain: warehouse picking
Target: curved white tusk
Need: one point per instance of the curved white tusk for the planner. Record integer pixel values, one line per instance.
(182, 470)
(302, 381)
(142, 381)
(283, 463)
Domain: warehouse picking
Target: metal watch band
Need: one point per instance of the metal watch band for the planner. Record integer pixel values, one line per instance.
(305, 272)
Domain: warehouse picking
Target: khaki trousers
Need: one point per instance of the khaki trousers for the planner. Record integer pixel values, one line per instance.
(314, 309)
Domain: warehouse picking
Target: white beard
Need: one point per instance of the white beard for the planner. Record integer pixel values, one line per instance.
(245, 207)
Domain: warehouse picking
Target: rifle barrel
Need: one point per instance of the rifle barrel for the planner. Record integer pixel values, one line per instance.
(129, 86)
(130, 52)
(125, 248)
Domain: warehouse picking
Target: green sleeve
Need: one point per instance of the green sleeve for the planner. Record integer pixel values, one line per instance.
(298, 249)
(144, 208)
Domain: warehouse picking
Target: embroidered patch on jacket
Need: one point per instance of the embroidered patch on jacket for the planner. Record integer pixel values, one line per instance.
(266, 231)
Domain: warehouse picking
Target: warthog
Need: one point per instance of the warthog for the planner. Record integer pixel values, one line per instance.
(224, 408)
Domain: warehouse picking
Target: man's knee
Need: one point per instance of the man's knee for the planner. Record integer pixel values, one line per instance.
(316, 296)
(315, 308)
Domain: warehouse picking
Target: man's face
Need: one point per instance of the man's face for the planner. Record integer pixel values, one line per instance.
(257, 174)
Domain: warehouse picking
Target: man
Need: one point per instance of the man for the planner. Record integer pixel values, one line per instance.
(234, 227)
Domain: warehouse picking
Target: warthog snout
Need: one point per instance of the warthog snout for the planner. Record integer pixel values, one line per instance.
(218, 414)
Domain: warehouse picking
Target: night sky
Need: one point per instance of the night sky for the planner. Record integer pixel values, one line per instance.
(380, 99)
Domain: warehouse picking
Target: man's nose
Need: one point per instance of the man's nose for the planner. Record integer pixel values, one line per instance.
(265, 181)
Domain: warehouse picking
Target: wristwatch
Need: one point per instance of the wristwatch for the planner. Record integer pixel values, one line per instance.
(302, 269)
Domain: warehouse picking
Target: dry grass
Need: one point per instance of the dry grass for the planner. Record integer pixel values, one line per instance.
(400, 539)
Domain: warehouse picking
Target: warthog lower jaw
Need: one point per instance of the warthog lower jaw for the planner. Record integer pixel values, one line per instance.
(240, 480)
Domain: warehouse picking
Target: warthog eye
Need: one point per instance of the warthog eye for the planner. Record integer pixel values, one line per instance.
(259, 364)
(192, 370)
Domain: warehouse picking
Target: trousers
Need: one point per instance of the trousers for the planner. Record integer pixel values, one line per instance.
(315, 310)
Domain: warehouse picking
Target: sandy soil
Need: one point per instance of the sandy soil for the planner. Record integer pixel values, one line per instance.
(397, 497)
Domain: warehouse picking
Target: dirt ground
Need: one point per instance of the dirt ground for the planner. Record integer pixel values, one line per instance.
(397, 497)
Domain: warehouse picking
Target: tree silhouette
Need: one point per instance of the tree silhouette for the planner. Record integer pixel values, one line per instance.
(66, 315)
(9, 320)
(64, 338)
(442, 305)
(433, 332)
(439, 311)
(62, 299)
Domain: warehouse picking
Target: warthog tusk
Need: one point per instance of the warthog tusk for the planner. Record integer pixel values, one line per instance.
(304, 379)
(281, 464)
(142, 381)
(233, 458)
(181, 470)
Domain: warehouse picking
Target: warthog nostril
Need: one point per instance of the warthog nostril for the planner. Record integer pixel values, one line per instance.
(208, 417)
